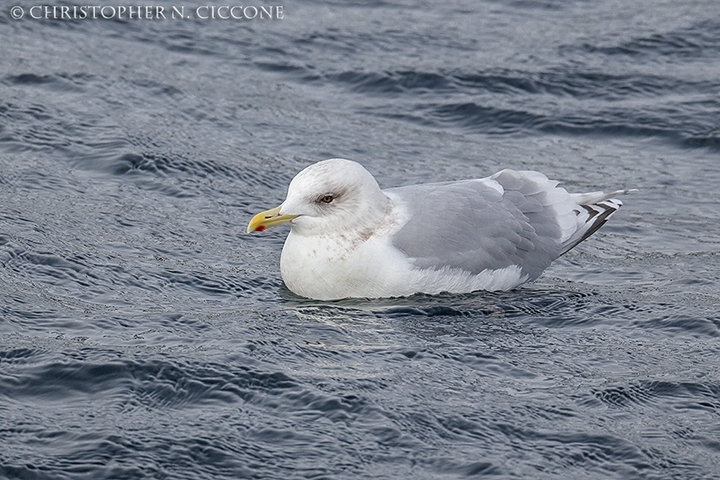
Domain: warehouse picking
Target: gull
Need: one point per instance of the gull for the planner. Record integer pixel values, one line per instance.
(350, 239)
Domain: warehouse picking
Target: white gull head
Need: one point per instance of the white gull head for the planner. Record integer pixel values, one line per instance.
(334, 195)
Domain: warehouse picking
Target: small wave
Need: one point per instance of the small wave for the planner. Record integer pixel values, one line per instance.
(62, 82)
(160, 164)
(431, 311)
(682, 323)
(155, 383)
(158, 89)
(698, 40)
(392, 82)
(685, 128)
(572, 82)
(685, 395)
(486, 119)
(17, 355)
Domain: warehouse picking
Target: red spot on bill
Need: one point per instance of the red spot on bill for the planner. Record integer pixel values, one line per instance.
(260, 228)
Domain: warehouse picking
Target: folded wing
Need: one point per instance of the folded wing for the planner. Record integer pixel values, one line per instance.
(510, 219)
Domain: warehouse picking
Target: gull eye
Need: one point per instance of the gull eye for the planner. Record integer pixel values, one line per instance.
(327, 199)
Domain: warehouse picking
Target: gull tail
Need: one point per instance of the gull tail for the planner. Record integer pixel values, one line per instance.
(593, 210)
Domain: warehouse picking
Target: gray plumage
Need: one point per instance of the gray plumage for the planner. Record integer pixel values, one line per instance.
(472, 226)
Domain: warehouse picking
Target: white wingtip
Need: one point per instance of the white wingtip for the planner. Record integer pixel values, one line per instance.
(595, 197)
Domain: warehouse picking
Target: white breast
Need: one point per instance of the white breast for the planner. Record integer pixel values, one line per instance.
(328, 268)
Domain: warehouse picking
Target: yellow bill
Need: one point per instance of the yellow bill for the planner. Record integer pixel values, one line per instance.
(268, 218)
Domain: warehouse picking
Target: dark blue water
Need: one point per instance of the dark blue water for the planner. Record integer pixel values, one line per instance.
(143, 334)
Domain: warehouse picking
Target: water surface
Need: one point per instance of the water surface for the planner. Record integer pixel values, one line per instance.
(143, 334)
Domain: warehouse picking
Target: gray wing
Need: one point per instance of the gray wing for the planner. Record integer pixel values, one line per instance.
(473, 226)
